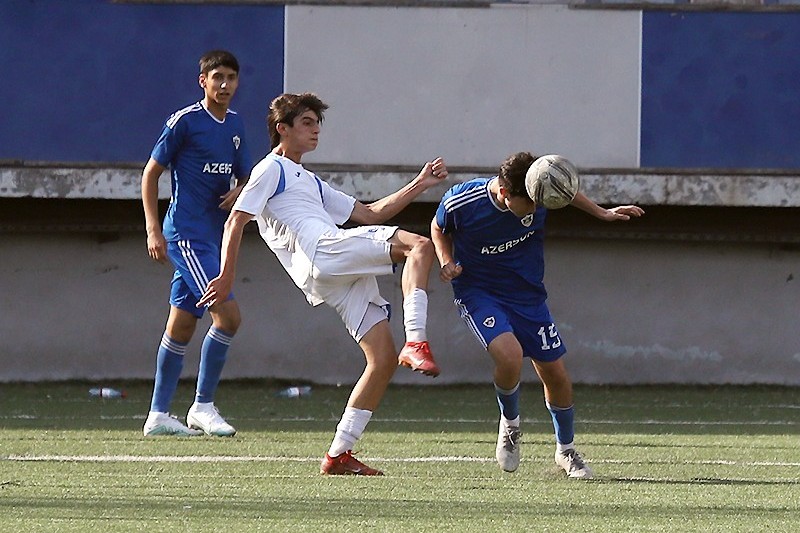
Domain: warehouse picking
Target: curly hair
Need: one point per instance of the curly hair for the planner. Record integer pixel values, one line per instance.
(513, 170)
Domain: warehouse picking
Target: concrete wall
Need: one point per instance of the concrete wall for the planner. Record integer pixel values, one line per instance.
(79, 306)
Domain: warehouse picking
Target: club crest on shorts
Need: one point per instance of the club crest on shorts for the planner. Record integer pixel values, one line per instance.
(489, 322)
(527, 220)
(236, 141)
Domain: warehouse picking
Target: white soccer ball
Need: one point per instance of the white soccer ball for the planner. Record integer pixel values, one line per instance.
(552, 181)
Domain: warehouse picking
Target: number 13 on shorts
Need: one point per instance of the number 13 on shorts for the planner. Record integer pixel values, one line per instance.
(549, 337)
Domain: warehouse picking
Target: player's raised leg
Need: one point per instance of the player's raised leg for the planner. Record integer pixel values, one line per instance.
(558, 398)
(417, 254)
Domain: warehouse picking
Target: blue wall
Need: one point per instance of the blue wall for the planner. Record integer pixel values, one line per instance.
(93, 80)
(90, 80)
(721, 90)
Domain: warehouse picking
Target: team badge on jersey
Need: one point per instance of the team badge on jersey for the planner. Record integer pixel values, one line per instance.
(527, 220)
(489, 322)
(236, 141)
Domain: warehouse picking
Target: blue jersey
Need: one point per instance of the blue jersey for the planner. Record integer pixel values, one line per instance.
(203, 155)
(500, 253)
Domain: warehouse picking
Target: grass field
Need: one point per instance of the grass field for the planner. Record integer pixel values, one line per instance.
(666, 459)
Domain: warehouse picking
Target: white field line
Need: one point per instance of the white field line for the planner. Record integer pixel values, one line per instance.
(279, 459)
(629, 405)
(647, 422)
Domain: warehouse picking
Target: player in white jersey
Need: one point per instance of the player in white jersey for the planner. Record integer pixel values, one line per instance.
(489, 241)
(298, 216)
(204, 146)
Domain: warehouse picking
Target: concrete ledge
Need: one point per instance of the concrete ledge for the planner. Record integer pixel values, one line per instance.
(646, 187)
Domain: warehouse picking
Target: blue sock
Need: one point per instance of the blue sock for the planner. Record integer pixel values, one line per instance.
(212, 358)
(508, 400)
(563, 423)
(169, 364)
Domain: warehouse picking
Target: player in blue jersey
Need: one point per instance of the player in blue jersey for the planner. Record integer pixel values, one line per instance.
(488, 236)
(204, 147)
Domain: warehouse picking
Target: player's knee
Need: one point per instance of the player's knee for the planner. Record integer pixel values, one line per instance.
(509, 364)
(233, 325)
(422, 248)
(383, 366)
(557, 380)
(228, 318)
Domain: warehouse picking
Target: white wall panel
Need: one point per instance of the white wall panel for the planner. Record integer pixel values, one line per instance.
(473, 85)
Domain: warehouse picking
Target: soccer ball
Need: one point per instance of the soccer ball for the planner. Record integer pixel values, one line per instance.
(552, 181)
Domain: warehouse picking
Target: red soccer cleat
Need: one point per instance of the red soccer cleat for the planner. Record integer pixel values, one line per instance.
(418, 357)
(345, 464)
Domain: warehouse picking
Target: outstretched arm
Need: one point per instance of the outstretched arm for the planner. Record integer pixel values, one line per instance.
(382, 210)
(622, 212)
(444, 252)
(220, 287)
(156, 244)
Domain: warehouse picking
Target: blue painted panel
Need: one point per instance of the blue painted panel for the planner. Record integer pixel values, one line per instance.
(91, 80)
(721, 90)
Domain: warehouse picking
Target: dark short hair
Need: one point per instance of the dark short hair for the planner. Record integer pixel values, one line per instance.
(286, 107)
(218, 58)
(513, 170)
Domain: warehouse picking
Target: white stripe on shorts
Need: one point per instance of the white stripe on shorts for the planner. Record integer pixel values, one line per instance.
(193, 264)
(467, 318)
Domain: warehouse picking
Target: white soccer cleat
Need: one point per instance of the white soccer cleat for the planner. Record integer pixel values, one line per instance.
(206, 417)
(573, 464)
(165, 424)
(507, 452)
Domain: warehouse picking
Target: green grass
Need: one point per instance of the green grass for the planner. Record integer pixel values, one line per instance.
(666, 459)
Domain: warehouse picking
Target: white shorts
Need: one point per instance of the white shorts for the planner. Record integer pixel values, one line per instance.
(344, 272)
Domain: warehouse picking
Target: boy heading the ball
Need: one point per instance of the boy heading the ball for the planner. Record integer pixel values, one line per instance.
(204, 146)
(298, 216)
(488, 235)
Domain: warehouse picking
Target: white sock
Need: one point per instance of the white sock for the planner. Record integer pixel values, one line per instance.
(415, 315)
(510, 423)
(560, 448)
(349, 430)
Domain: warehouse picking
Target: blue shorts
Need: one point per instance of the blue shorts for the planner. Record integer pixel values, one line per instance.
(196, 263)
(487, 318)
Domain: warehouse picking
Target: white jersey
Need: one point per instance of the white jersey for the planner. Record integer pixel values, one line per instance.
(293, 208)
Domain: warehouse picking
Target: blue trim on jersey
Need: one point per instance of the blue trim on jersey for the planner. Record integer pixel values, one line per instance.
(319, 186)
(281, 181)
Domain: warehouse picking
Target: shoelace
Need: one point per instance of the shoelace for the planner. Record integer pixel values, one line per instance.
(351, 455)
(214, 416)
(511, 438)
(347, 459)
(419, 347)
(576, 461)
